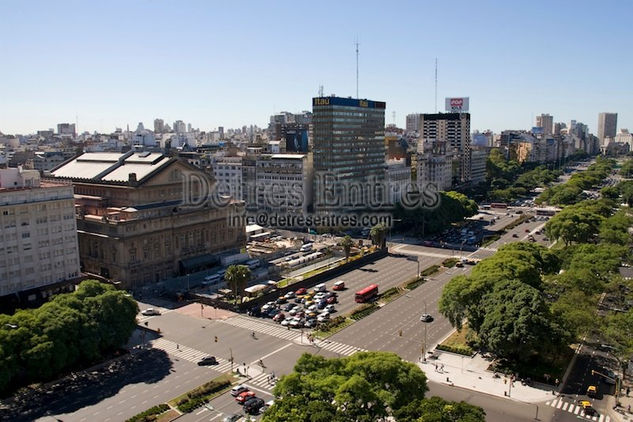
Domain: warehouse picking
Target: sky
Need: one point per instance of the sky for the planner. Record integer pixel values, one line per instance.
(232, 63)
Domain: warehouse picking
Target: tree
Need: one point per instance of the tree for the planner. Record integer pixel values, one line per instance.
(436, 409)
(346, 243)
(237, 277)
(518, 322)
(618, 332)
(366, 386)
(615, 229)
(574, 224)
(378, 235)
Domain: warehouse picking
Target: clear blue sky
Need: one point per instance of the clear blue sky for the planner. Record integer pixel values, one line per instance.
(229, 63)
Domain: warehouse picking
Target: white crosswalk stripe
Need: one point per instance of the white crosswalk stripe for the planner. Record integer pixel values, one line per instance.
(189, 354)
(576, 410)
(261, 327)
(261, 381)
(339, 348)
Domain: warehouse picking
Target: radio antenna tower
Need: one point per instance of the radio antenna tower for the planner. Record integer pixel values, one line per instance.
(320, 90)
(357, 68)
(436, 85)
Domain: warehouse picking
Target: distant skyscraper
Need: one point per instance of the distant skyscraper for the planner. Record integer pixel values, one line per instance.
(546, 122)
(413, 122)
(607, 125)
(66, 129)
(349, 145)
(221, 131)
(159, 126)
(179, 126)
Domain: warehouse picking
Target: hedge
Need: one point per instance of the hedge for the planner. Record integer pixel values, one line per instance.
(430, 270)
(449, 262)
(460, 350)
(414, 283)
(198, 396)
(363, 311)
(150, 414)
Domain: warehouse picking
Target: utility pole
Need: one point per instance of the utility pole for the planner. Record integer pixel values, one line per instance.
(357, 68)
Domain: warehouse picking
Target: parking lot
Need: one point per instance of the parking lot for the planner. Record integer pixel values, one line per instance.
(386, 273)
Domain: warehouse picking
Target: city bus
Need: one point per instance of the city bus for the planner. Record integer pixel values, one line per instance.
(498, 205)
(547, 211)
(368, 293)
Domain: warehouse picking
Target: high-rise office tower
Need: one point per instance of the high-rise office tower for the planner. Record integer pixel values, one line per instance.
(159, 125)
(607, 125)
(454, 130)
(546, 122)
(349, 152)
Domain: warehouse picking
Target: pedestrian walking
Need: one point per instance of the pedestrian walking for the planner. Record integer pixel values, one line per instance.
(628, 390)
(177, 346)
(505, 380)
(556, 382)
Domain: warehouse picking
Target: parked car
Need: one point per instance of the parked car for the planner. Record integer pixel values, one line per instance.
(331, 299)
(296, 323)
(238, 389)
(232, 418)
(330, 308)
(339, 285)
(301, 291)
(290, 295)
(207, 360)
(279, 317)
(322, 303)
(323, 317)
(288, 306)
(310, 323)
(286, 322)
(272, 312)
(281, 300)
(150, 312)
(244, 396)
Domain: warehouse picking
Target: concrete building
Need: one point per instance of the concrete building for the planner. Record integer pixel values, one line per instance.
(145, 217)
(284, 183)
(67, 129)
(180, 126)
(228, 176)
(546, 122)
(607, 126)
(478, 159)
(159, 126)
(452, 129)
(624, 137)
(398, 179)
(38, 235)
(413, 122)
(434, 162)
(48, 160)
(349, 152)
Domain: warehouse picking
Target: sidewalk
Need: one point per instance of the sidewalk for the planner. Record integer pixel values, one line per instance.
(622, 414)
(471, 373)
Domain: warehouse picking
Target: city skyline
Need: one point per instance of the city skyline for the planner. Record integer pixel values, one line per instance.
(110, 65)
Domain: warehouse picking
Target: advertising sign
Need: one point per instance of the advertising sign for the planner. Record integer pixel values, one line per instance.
(457, 104)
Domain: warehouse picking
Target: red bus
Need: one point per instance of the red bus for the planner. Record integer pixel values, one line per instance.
(498, 205)
(367, 294)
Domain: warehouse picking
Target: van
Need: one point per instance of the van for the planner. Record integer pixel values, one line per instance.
(320, 287)
(305, 248)
(339, 285)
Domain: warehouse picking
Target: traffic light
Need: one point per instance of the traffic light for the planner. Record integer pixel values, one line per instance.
(216, 339)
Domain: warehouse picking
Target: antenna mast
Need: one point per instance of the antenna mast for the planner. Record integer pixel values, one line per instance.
(320, 90)
(357, 68)
(436, 85)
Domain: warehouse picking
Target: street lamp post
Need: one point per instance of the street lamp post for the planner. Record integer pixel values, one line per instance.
(424, 344)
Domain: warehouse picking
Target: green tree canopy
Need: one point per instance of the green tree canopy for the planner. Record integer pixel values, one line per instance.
(378, 235)
(237, 277)
(366, 386)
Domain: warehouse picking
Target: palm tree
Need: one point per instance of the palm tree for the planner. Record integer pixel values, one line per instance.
(378, 235)
(236, 277)
(347, 244)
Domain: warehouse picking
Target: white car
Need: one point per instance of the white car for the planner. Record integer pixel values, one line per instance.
(313, 308)
(150, 311)
(330, 309)
(286, 322)
(294, 311)
(323, 317)
(319, 296)
(290, 295)
(296, 323)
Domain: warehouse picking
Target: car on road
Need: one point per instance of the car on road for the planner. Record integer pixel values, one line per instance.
(244, 396)
(515, 235)
(279, 317)
(150, 312)
(330, 308)
(207, 360)
(238, 389)
(339, 285)
(587, 409)
(592, 391)
(232, 418)
(254, 405)
(426, 318)
(301, 291)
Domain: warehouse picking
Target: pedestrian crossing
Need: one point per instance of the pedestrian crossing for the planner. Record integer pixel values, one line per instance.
(262, 381)
(339, 348)
(575, 409)
(262, 327)
(189, 354)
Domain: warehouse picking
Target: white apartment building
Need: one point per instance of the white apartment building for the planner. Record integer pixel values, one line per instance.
(478, 158)
(228, 176)
(38, 233)
(284, 183)
(435, 165)
(398, 179)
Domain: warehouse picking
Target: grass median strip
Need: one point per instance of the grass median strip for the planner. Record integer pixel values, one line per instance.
(457, 343)
(150, 414)
(203, 394)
